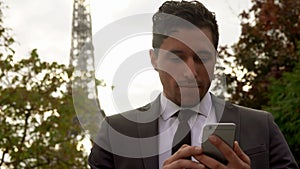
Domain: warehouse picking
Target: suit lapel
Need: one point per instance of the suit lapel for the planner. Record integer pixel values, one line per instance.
(148, 130)
(227, 113)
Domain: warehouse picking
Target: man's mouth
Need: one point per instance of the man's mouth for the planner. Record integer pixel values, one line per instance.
(189, 85)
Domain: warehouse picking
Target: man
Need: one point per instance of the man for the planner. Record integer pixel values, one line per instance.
(185, 37)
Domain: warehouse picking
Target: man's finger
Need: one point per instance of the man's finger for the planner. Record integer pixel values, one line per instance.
(240, 153)
(183, 163)
(183, 146)
(183, 152)
(223, 148)
(209, 162)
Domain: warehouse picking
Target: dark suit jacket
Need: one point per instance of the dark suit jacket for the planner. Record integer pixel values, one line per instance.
(256, 132)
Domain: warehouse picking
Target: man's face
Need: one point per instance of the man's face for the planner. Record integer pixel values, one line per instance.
(185, 63)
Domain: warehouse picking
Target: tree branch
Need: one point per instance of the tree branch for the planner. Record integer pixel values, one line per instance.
(27, 115)
(17, 161)
(3, 155)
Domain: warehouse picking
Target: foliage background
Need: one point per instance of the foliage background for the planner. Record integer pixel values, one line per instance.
(38, 125)
(264, 64)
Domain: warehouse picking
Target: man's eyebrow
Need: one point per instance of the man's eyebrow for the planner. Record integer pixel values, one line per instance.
(200, 52)
(175, 51)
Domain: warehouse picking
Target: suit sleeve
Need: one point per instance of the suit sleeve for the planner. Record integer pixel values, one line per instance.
(280, 154)
(100, 156)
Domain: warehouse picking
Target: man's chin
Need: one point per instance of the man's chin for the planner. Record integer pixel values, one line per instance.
(190, 99)
(189, 102)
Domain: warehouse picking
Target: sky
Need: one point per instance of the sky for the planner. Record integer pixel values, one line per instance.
(46, 25)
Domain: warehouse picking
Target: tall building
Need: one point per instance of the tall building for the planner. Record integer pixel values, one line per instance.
(82, 50)
(83, 87)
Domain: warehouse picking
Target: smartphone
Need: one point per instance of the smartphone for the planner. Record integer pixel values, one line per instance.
(225, 131)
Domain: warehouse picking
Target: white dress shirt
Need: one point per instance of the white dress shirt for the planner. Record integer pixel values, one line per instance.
(168, 124)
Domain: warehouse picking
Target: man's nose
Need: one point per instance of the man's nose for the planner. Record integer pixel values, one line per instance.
(190, 68)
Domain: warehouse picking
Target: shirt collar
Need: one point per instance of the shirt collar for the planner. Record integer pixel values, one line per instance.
(169, 108)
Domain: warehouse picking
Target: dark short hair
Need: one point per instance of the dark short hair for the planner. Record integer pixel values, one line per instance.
(193, 12)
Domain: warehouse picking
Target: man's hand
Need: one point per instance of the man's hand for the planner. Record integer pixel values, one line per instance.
(178, 160)
(236, 157)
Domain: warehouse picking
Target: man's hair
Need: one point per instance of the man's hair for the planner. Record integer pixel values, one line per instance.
(175, 14)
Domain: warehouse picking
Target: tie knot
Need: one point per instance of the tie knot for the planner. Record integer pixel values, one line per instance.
(185, 114)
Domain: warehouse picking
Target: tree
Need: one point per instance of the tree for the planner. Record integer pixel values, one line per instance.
(284, 103)
(265, 64)
(37, 124)
(266, 48)
(5, 39)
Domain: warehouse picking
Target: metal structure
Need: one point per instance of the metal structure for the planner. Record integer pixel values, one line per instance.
(82, 58)
(82, 50)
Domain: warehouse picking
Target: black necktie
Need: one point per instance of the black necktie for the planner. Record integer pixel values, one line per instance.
(183, 132)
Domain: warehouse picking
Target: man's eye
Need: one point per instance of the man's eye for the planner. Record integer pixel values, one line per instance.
(175, 59)
(202, 59)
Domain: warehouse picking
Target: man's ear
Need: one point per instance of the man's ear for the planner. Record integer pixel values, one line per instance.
(153, 58)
